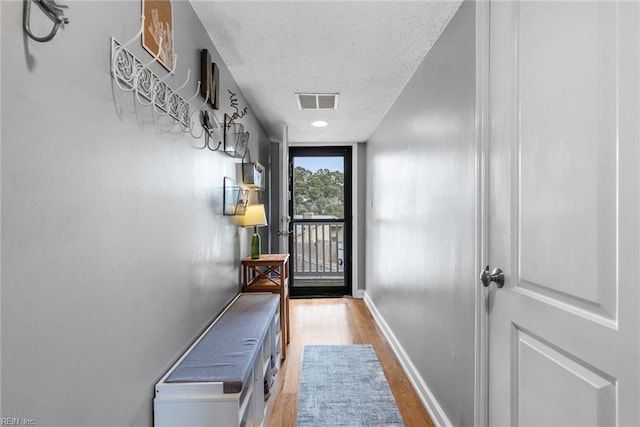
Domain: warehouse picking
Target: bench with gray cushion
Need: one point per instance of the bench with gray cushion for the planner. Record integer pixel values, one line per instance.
(223, 361)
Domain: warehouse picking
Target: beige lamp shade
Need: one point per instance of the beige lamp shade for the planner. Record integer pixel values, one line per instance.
(254, 215)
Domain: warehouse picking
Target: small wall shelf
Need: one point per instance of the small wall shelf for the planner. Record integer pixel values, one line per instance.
(253, 175)
(235, 198)
(236, 140)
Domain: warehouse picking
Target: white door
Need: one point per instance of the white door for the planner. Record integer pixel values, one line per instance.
(563, 213)
(284, 191)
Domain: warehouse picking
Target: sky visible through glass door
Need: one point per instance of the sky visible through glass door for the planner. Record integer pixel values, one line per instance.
(314, 163)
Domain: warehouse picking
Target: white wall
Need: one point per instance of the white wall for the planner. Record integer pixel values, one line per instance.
(421, 218)
(115, 253)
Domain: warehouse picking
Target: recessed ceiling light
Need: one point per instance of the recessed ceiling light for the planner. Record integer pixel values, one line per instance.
(319, 123)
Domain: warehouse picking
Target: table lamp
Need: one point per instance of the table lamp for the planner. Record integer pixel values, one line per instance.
(254, 216)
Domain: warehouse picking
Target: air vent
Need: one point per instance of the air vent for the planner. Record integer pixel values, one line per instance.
(317, 101)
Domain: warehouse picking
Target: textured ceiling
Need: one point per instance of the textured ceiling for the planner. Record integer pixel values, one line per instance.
(364, 50)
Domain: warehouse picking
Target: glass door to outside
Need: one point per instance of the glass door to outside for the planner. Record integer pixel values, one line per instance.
(320, 211)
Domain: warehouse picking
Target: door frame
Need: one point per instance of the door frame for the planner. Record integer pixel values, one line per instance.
(283, 220)
(350, 153)
(481, 333)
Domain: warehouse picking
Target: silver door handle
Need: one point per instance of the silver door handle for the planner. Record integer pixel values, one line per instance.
(494, 275)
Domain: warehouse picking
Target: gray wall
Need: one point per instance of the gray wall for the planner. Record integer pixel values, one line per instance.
(115, 252)
(421, 217)
(361, 182)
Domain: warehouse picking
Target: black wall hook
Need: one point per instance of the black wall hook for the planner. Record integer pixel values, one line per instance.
(52, 10)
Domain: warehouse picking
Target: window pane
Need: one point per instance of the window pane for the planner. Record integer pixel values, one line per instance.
(318, 187)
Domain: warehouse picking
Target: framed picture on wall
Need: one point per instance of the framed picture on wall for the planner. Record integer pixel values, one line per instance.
(157, 37)
(206, 75)
(209, 79)
(215, 86)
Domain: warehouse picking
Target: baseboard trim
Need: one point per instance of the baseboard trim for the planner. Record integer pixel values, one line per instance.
(358, 293)
(429, 401)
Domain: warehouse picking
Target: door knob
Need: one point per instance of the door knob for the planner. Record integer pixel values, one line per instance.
(494, 275)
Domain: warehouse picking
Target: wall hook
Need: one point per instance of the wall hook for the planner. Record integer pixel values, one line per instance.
(156, 57)
(185, 82)
(209, 123)
(208, 138)
(132, 75)
(123, 64)
(164, 97)
(52, 10)
(197, 93)
(159, 91)
(179, 109)
(144, 85)
(203, 123)
(138, 34)
(161, 96)
(190, 128)
(173, 70)
(144, 81)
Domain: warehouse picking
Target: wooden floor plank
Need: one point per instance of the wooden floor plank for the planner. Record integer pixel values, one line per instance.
(338, 321)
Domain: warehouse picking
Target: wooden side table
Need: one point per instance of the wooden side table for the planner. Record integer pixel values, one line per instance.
(270, 273)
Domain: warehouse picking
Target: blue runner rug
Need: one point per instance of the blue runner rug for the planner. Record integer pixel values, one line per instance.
(344, 385)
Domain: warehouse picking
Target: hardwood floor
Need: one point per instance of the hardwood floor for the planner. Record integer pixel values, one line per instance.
(338, 321)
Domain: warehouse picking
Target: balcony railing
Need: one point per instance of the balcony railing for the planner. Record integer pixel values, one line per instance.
(318, 249)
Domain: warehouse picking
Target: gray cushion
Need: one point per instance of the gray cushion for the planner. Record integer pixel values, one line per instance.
(228, 351)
